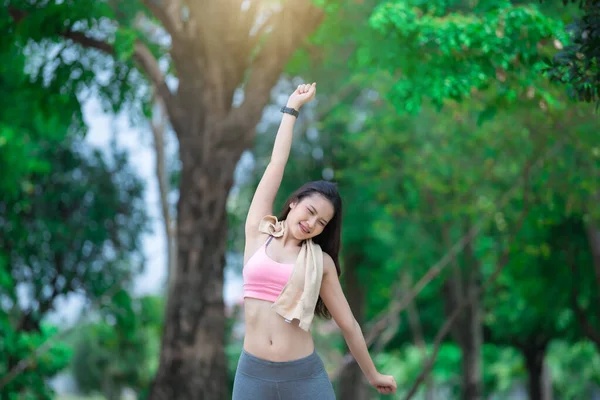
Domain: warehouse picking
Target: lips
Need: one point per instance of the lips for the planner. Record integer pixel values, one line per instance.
(304, 229)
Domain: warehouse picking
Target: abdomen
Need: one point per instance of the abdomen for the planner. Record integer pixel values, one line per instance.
(269, 337)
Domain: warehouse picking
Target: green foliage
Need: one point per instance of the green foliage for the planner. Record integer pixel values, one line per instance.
(503, 367)
(441, 53)
(121, 351)
(577, 63)
(70, 218)
(16, 345)
(410, 178)
(575, 369)
(75, 228)
(62, 57)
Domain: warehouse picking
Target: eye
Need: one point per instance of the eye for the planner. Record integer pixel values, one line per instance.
(322, 223)
(310, 211)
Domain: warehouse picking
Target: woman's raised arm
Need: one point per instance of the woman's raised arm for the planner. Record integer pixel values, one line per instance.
(262, 202)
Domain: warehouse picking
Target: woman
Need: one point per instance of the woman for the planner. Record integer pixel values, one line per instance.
(291, 271)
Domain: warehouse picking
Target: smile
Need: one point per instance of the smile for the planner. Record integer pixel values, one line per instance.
(303, 229)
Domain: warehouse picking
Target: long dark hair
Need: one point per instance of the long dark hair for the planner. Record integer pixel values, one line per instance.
(330, 238)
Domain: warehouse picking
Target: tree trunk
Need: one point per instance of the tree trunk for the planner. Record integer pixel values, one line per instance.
(593, 234)
(192, 360)
(547, 392)
(471, 349)
(468, 331)
(472, 363)
(591, 331)
(534, 361)
(352, 384)
(414, 323)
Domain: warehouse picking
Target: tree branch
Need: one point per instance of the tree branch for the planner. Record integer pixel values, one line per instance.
(141, 55)
(169, 15)
(381, 322)
(150, 65)
(159, 128)
(88, 42)
(503, 261)
(262, 29)
(145, 59)
(293, 24)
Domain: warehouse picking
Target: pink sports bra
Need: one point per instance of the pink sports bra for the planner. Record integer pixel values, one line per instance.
(265, 278)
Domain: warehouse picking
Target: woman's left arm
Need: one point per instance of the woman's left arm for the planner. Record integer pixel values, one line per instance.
(336, 303)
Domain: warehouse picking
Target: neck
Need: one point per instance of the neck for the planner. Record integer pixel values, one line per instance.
(288, 238)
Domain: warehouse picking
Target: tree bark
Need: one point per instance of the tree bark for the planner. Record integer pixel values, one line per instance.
(352, 384)
(192, 361)
(534, 361)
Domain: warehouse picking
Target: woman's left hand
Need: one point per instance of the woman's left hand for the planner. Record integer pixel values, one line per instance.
(385, 384)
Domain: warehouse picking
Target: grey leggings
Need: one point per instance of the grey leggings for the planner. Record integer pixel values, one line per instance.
(258, 379)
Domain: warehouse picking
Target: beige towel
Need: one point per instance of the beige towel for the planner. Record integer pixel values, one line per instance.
(301, 293)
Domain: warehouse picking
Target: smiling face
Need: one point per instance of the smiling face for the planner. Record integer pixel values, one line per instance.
(308, 217)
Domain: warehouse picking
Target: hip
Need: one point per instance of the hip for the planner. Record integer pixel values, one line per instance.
(301, 378)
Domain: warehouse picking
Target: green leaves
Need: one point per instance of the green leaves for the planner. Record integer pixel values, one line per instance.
(70, 47)
(125, 43)
(454, 55)
(109, 357)
(577, 64)
(70, 218)
(16, 346)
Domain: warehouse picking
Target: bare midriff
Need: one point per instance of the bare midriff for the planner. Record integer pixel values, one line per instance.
(269, 337)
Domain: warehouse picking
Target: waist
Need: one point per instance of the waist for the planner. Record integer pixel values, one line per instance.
(301, 368)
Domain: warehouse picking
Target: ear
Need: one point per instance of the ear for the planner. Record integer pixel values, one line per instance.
(292, 205)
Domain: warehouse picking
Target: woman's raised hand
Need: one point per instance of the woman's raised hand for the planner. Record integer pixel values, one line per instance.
(302, 95)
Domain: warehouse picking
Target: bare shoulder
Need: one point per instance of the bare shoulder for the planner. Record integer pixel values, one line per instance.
(328, 265)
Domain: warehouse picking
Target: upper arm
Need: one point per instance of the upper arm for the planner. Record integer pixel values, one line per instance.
(333, 296)
(262, 202)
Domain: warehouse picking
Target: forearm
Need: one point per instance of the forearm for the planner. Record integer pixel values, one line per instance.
(358, 347)
(283, 140)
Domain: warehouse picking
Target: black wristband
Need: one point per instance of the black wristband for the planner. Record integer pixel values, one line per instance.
(289, 110)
